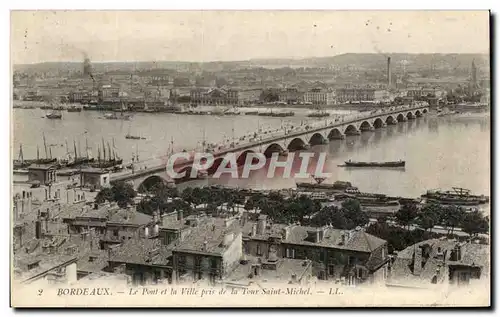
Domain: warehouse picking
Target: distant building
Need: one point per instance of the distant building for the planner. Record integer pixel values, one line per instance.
(215, 96)
(291, 95)
(249, 96)
(355, 94)
(182, 82)
(440, 261)
(319, 96)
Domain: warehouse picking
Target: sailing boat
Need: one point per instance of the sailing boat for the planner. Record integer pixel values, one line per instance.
(48, 159)
(79, 160)
(112, 161)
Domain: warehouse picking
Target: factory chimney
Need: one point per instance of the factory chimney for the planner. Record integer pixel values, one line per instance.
(389, 79)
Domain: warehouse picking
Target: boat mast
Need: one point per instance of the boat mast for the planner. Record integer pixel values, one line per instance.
(37, 153)
(87, 147)
(74, 147)
(109, 153)
(104, 150)
(50, 152)
(45, 145)
(21, 156)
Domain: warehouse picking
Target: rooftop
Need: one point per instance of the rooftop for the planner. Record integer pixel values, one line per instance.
(141, 251)
(440, 254)
(208, 236)
(281, 270)
(356, 240)
(41, 166)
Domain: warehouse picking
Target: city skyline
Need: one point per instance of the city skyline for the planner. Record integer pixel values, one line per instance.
(203, 36)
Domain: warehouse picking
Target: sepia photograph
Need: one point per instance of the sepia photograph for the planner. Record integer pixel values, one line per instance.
(250, 158)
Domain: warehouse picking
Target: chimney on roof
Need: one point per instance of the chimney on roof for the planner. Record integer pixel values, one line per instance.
(285, 232)
(204, 248)
(254, 230)
(261, 224)
(179, 215)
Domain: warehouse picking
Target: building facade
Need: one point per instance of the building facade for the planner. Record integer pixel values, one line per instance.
(353, 256)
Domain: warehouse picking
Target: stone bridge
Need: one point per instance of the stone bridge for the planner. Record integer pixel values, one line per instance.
(288, 139)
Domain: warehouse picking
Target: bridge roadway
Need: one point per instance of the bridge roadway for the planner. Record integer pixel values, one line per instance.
(158, 164)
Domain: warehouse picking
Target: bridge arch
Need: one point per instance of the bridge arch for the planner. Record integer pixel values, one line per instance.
(217, 162)
(418, 113)
(400, 117)
(150, 182)
(243, 157)
(365, 126)
(351, 130)
(410, 115)
(335, 134)
(272, 148)
(390, 120)
(424, 111)
(296, 144)
(317, 139)
(378, 123)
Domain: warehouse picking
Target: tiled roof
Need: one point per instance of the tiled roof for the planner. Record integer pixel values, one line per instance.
(130, 217)
(142, 251)
(283, 272)
(207, 237)
(359, 240)
(472, 254)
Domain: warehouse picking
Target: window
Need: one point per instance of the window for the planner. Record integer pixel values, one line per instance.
(115, 232)
(351, 260)
(32, 265)
(360, 273)
(259, 251)
(331, 270)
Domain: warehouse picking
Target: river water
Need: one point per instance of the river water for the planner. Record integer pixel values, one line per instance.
(440, 152)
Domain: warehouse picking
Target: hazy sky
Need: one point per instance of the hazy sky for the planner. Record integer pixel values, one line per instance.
(238, 35)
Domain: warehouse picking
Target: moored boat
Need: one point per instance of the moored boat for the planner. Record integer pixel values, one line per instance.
(54, 115)
(399, 163)
(457, 196)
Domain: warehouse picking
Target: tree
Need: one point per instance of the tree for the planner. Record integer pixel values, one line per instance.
(452, 217)
(352, 211)
(407, 214)
(334, 216)
(122, 193)
(429, 216)
(475, 223)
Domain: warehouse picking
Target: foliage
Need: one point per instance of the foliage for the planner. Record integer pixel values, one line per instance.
(407, 214)
(121, 193)
(429, 217)
(475, 223)
(349, 216)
